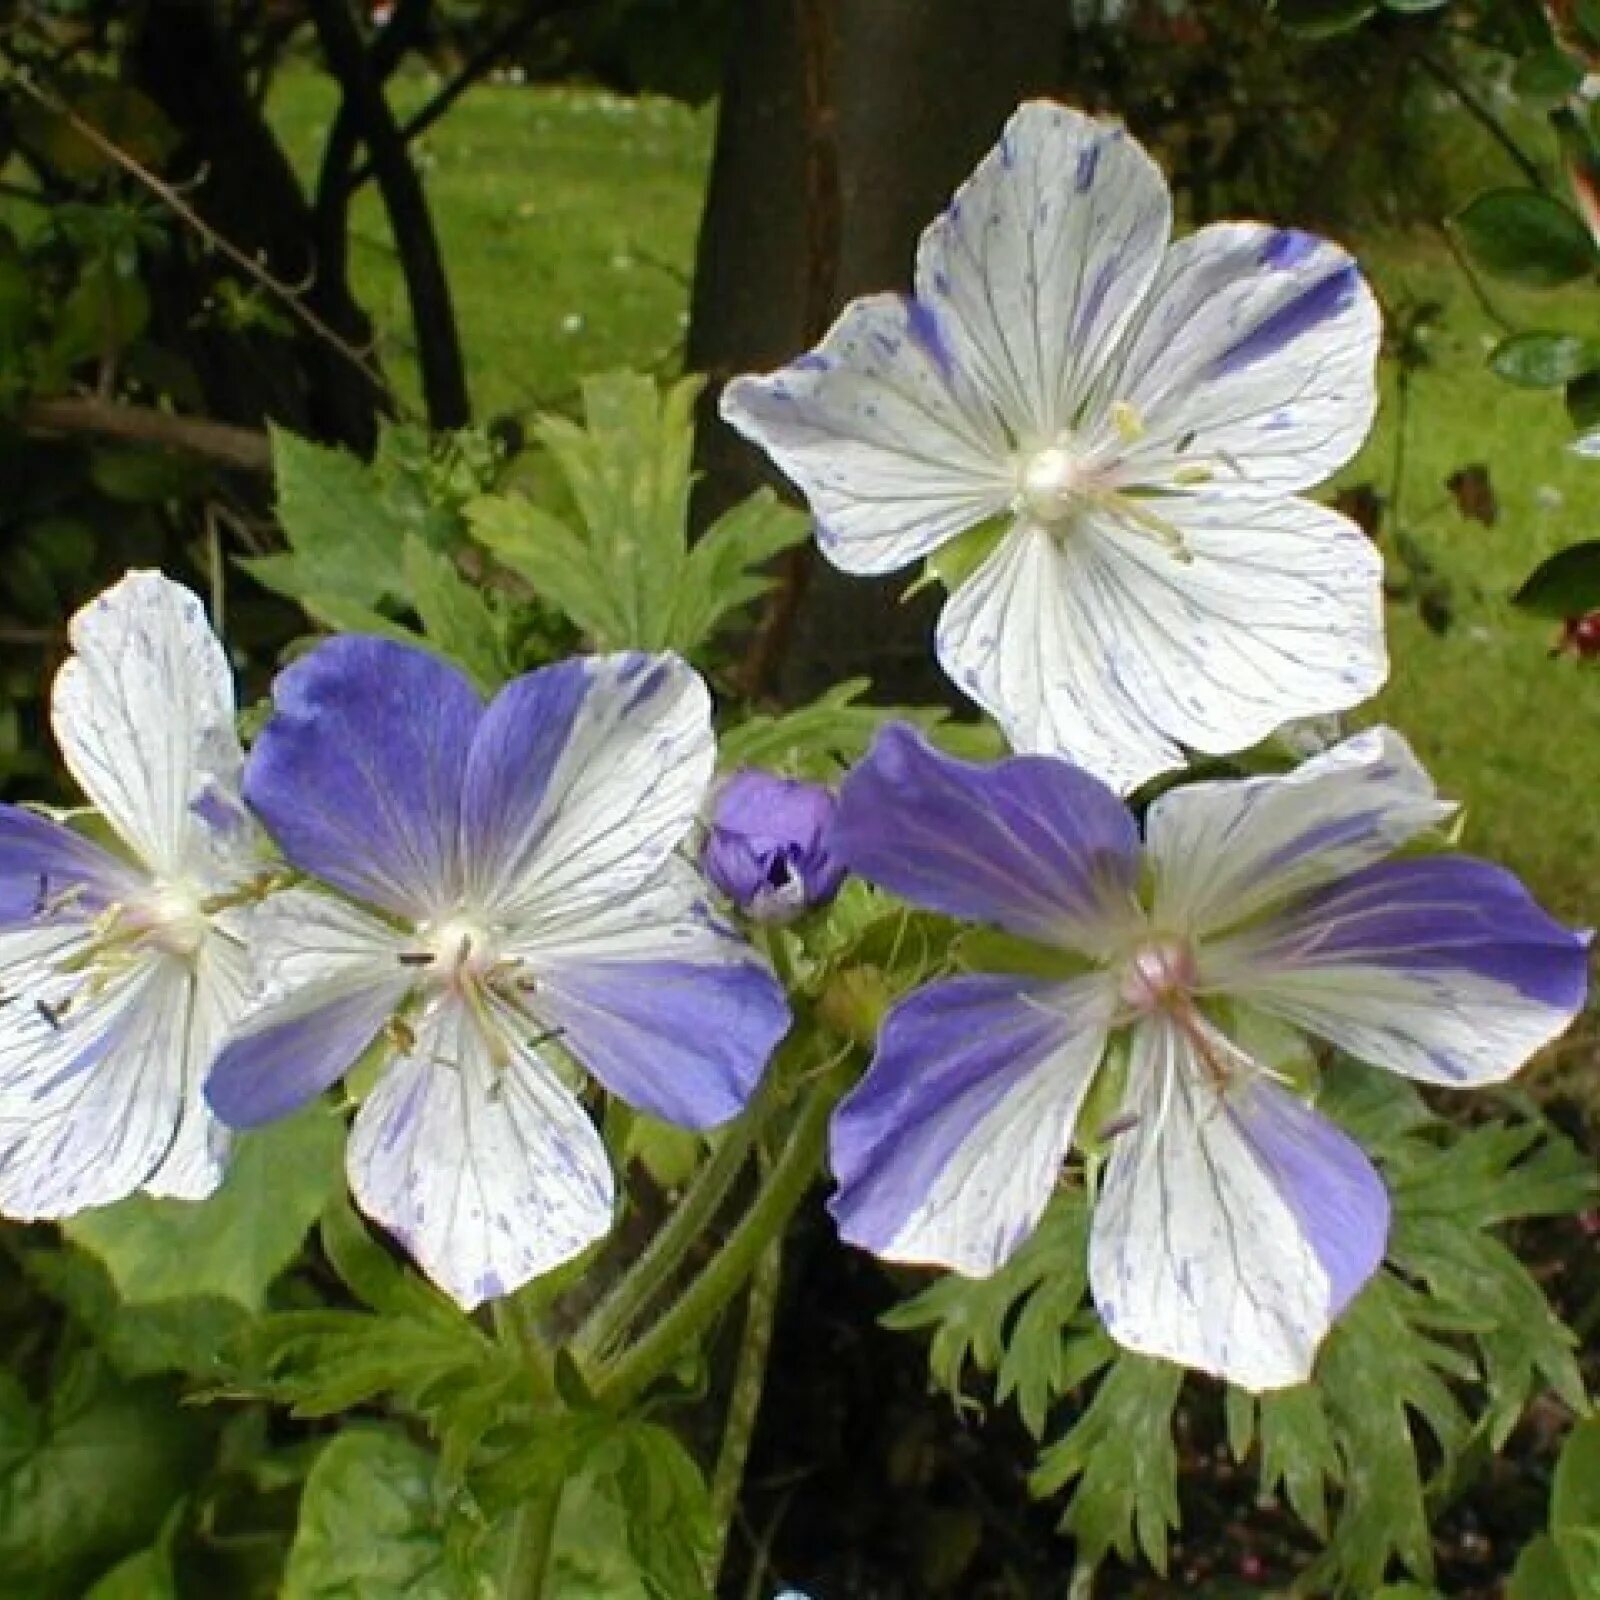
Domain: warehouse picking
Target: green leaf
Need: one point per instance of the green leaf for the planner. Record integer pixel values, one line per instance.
(234, 1244)
(1566, 585)
(455, 617)
(88, 1479)
(1322, 19)
(1014, 1324)
(1123, 1459)
(1546, 78)
(1544, 360)
(1526, 237)
(616, 559)
(373, 1526)
(344, 541)
(1575, 1507)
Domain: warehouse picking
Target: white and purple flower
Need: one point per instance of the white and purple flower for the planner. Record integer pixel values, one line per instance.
(122, 969)
(1233, 1222)
(1134, 420)
(768, 846)
(529, 917)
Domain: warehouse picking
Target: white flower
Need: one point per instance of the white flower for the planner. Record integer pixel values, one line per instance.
(1133, 419)
(121, 972)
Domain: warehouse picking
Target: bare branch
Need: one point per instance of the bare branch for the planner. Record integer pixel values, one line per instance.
(242, 448)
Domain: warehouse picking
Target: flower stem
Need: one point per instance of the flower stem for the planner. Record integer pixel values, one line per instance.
(618, 1382)
(533, 1528)
(744, 1400)
(640, 1284)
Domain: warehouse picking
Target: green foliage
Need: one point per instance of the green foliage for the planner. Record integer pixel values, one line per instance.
(231, 1246)
(1454, 1334)
(1527, 238)
(616, 557)
(1538, 360)
(86, 1477)
(370, 541)
(1567, 585)
(373, 1526)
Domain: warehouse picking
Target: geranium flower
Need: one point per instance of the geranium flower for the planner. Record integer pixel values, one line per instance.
(1233, 1223)
(122, 968)
(768, 847)
(523, 913)
(1132, 420)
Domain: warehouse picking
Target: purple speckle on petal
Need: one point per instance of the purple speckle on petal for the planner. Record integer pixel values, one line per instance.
(1288, 247)
(1088, 162)
(923, 326)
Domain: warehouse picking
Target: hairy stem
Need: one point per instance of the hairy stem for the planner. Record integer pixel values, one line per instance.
(744, 1401)
(619, 1382)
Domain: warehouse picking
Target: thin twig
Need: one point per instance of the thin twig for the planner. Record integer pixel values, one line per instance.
(243, 448)
(1474, 282)
(1480, 113)
(287, 294)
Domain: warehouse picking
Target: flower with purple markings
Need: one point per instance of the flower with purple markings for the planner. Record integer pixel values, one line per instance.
(768, 847)
(1130, 422)
(1233, 1223)
(523, 915)
(122, 968)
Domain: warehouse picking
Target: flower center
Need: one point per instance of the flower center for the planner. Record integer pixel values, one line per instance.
(1051, 483)
(1157, 976)
(170, 916)
(461, 952)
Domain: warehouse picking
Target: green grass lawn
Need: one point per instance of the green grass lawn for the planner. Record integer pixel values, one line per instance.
(568, 219)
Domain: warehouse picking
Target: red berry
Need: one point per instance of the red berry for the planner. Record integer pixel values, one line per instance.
(1580, 636)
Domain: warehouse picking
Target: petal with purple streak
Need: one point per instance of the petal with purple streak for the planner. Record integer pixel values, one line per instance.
(582, 779)
(1233, 1223)
(1040, 261)
(1252, 366)
(1441, 968)
(876, 429)
(660, 1000)
(486, 1169)
(1224, 850)
(948, 1149)
(1030, 844)
(47, 870)
(328, 977)
(358, 773)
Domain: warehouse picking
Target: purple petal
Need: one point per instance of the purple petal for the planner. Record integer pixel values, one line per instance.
(1030, 844)
(1442, 968)
(274, 1065)
(358, 774)
(682, 1041)
(45, 867)
(948, 1149)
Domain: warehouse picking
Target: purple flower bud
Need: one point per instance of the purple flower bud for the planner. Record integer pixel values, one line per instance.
(768, 848)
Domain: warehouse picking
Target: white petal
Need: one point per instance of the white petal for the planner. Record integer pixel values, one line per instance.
(91, 1103)
(1042, 257)
(195, 1164)
(1233, 1225)
(1101, 644)
(582, 780)
(144, 714)
(893, 453)
(1014, 638)
(1254, 358)
(1222, 850)
(489, 1174)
